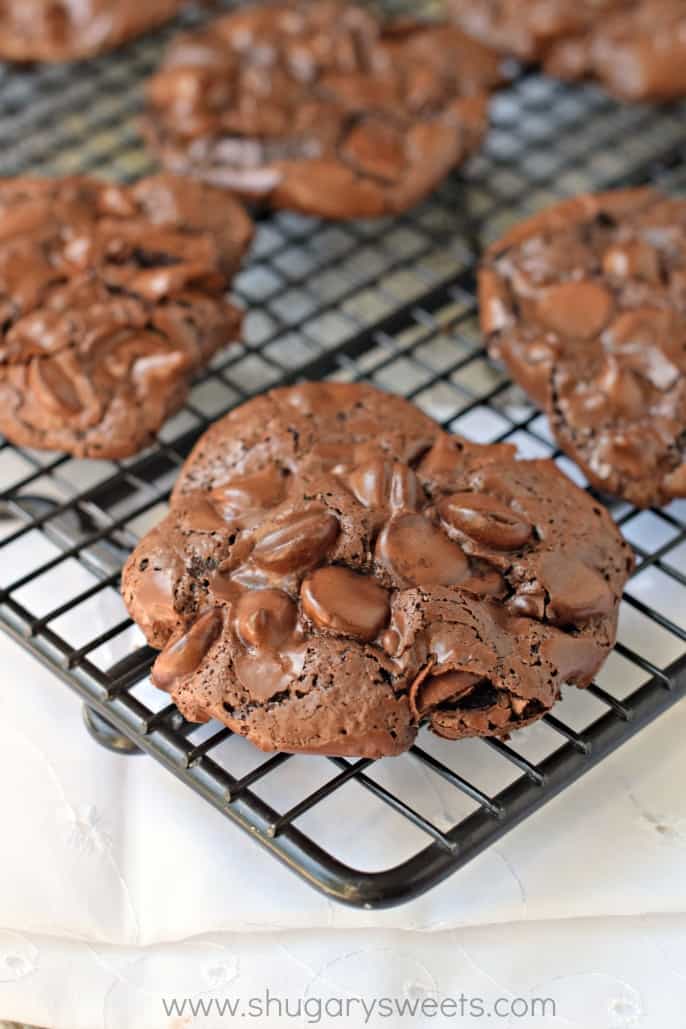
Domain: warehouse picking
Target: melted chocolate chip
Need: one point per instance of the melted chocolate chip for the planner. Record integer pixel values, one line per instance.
(297, 542)
(257, 492)
(486, 520)
(577, 309)
(343, 601)
(437, 690)
(202, 516)
(632, 259)
(417, 553)
(54, 387)
(382, 484)
(156, 593)
(265, 618)
(531, 604)
(576, 591)
(183, 656)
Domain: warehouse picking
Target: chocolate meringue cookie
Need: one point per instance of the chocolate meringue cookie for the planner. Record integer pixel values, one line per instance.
(320, 107)
(586, 305)
(111, 298)
(335, 570)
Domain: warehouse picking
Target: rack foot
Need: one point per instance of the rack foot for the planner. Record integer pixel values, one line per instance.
(106, 735)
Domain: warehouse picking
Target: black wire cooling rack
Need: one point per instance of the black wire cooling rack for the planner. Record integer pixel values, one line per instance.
(394, 302)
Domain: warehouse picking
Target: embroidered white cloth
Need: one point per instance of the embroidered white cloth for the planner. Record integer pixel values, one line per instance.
(119, 887)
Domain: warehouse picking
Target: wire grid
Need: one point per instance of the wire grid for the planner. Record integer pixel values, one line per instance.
(393, 302)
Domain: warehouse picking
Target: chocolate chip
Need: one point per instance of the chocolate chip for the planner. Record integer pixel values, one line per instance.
(486, 520)
(341, 600)
(577, 309)
(437, 690)
(183, 656)
(297, 541)
(257, 492)
(418, 553)
(383, 484)
(577, 592)
(265, 618)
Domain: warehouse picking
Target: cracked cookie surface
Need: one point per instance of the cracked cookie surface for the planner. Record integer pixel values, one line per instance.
(111, 298)
(586, 305)
(320, 107)
(335, 570)
(67, 30)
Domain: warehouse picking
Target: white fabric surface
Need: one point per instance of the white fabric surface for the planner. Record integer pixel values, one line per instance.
(118, 884)
(609, 974)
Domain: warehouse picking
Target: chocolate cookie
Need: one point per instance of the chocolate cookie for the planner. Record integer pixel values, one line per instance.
(66, 30)
(637, 48)
(111, 298)
(527, 28)
(335, 570)
(586, 305)
(637, 51)
(317, 106)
